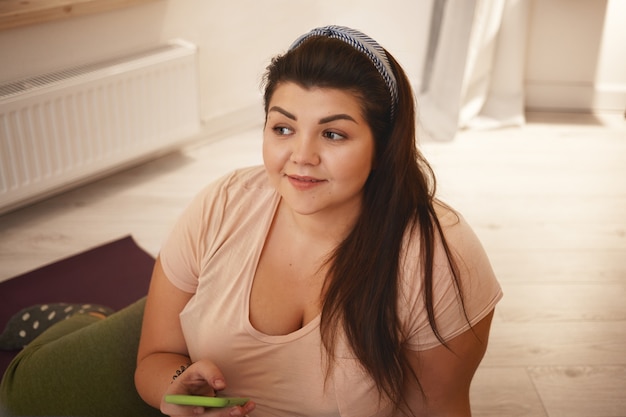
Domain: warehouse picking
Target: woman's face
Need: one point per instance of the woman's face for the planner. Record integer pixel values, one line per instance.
(318, 149)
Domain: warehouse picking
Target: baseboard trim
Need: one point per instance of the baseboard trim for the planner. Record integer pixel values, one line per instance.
(575, 97)
(228, 124)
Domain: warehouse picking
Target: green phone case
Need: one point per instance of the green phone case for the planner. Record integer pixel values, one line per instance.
(203, 401)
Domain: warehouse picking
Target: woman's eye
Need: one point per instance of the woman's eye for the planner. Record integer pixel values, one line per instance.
(333, 136)
(282, 130)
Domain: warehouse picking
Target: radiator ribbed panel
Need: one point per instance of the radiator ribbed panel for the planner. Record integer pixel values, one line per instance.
(59, 129)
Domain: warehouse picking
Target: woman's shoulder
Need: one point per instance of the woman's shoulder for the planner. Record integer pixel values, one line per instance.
(455, 238)
(234, 193)
(238, 180)
(447, 215)
(458, 232)
(472, 272)
(247, 177)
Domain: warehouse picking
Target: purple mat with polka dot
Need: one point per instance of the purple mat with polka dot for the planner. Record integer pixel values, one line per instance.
(113, 275)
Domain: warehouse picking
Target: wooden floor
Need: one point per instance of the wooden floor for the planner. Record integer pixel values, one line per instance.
(547, 200)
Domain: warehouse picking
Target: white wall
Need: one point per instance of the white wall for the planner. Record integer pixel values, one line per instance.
(576, 58)
(236, 46)
(236, 40)
(575, 51)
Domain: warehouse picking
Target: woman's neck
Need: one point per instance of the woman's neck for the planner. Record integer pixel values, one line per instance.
(327, 227)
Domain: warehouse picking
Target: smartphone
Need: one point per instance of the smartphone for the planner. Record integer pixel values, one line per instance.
(203, 401)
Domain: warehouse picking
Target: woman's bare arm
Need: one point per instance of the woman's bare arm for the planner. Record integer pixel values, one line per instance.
(162, 348)
(445, 374)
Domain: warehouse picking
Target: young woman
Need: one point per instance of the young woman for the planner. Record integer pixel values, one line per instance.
(330, 281)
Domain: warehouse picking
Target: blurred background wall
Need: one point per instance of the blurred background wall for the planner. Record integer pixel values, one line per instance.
(575, 58)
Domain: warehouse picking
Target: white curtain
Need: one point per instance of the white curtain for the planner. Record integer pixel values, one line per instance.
(474, 66)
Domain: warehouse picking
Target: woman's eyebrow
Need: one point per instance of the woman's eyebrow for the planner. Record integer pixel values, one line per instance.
(337, 117)
(283, 112)
(322, 121)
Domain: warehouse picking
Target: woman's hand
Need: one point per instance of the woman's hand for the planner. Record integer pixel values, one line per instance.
(158, 357)
(201, 378)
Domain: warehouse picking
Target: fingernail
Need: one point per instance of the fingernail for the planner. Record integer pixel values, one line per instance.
(235, 412)
(219, 384)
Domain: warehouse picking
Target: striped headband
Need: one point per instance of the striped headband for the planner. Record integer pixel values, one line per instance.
(365, 45)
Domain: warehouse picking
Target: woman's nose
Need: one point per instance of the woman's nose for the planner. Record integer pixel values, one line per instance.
(305, 150)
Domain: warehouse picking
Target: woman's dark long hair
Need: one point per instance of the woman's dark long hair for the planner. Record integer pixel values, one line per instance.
(363, 280)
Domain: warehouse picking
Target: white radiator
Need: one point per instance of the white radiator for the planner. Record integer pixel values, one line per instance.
(61, 129)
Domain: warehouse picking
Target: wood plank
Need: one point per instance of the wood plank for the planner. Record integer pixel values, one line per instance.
(16, 13)
(582, 391)
(536, 266)
(550, 236)
(516, 207)
(500, 392)
(563, 302)
(526, 344)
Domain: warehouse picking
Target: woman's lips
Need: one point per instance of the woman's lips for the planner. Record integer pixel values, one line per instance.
(304, 182)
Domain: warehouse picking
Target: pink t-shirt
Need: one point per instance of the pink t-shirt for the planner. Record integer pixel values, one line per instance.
(213, 252)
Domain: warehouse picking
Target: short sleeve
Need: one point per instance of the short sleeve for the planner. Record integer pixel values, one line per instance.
(182, 251)
(480, 290)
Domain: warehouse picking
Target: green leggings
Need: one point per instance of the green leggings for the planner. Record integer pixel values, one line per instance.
(82, 366)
